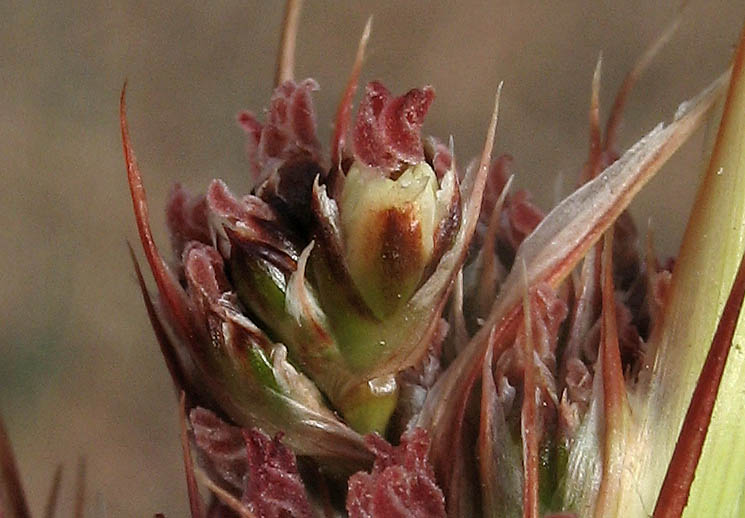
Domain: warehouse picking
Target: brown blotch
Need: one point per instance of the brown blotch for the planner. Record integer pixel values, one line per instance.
(400, 247)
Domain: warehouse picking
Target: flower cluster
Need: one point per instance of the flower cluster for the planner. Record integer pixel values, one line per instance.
(419, 340)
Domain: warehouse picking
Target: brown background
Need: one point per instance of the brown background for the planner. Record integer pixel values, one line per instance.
(79, 370)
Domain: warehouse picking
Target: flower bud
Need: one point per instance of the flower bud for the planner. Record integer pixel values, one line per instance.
(388, 227)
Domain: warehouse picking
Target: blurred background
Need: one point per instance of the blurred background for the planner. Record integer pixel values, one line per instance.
(80, 371)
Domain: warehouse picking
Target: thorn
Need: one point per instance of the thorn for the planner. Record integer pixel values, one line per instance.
(341, 121)
(477, 190)
(167, 286)
(488, 285)
(592, 168)
(616, 114)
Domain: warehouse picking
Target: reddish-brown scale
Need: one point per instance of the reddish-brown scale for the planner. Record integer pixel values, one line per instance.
(401, 119)
(368, 147)
(444, 233)
(186, 217)
(301, 117)
(289, 131)
(440, 157)
(252, 223)
(522, 218)
(386, 133)
(288, 191)
(203, 268)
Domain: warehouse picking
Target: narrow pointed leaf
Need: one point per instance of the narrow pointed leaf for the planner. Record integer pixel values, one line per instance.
(706, 265)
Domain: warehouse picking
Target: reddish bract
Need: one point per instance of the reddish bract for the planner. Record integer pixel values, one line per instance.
(401, 484)
(386, 133)
(273, 486)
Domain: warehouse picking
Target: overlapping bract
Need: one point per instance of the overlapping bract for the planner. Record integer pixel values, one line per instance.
(277, 314)
(313, 307)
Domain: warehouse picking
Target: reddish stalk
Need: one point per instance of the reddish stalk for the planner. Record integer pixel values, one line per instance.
(286, 55)
(676, 487)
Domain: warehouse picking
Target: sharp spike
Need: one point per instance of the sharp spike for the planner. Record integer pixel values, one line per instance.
(616, 114)
(488, 285)
(592, 168)
(477, 190)
(167, 286)
(341, 121)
